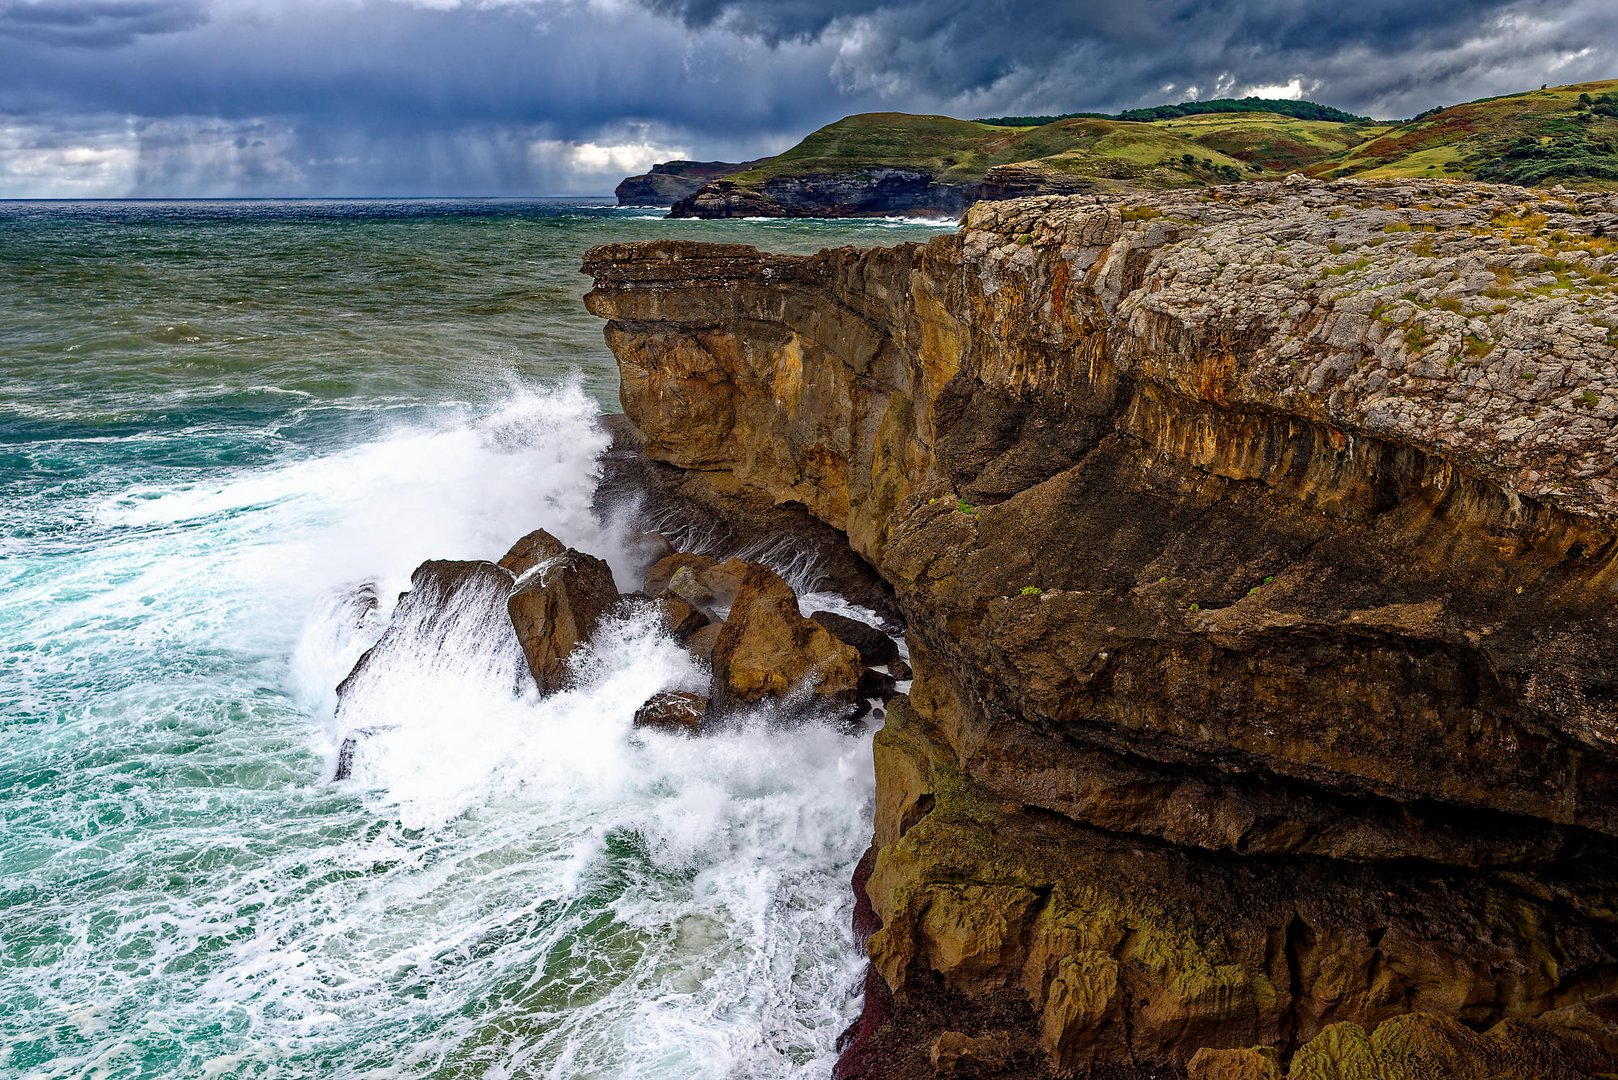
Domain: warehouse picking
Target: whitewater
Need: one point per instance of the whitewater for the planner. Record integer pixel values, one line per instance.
(223, 429)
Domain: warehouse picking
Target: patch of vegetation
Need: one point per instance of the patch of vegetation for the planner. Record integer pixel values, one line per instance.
(1301, 110)
(1563, 134)
(1031, 590)
(1574, 156)
(966, 508)
(1587, 399)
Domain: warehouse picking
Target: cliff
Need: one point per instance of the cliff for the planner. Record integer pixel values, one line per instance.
(1257, 551)
(671, 181)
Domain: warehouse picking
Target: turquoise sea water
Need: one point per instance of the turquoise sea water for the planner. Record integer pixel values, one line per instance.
(216, 421)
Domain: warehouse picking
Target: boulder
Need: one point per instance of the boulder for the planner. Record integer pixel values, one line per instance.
(875, 648)
(649, 547)
(711, 589)
(673, 710)
(701, 643)
(533, 549)
(661, 572)
(345, 757)
(556, 609)
(682, 619)
(767, 648)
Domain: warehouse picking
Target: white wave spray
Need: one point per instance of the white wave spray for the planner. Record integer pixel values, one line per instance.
(509, 885)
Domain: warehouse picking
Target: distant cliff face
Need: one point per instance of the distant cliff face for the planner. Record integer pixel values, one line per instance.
(872, 192)
(1258, 552)
(671, 181)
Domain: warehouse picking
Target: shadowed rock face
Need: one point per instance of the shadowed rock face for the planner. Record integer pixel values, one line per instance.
(1257, 551)
(867, 193)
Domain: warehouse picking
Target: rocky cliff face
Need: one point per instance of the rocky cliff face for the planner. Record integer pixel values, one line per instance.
(866, 193)
(671, 181)
(1257, 551)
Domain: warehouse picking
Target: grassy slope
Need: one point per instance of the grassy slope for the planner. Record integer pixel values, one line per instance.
(1274, 143)
(961, 151)
(1491, 138)
(1465, 140)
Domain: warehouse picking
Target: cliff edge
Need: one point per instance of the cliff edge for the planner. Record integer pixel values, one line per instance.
(1257, 551)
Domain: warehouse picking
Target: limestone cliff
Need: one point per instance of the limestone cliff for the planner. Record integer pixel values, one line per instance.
(1257, 551)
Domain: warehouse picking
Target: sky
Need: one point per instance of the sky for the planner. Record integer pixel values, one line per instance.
(218, 98)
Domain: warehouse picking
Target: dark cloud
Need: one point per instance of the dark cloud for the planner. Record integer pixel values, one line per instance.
(97, 24)
(525, 96)
(1377, 55)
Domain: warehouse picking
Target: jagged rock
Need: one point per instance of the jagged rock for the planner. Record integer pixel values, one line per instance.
(899, 669)
(533, 549)
(683, 620)
(345, 758)
(673, 711)
(767, 648)
(451, 609)
(876, 649)
(1308, 716)
(701, 644)
(441, 591)
(556, 609)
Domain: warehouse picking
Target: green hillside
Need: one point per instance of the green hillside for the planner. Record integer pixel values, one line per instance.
(1564, 134)
(961, 151)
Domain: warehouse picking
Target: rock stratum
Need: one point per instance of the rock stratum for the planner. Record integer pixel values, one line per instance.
(1256, 547)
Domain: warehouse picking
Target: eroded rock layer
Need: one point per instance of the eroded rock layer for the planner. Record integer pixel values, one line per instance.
(1257, 552)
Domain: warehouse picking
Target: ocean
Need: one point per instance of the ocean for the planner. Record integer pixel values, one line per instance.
(218, 420)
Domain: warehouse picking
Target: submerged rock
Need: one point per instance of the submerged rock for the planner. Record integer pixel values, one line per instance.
(556, 608)
(767, 648)
(673, 710)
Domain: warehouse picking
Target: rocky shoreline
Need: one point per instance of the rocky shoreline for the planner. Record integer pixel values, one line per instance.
(738, 616)
(1255, 549)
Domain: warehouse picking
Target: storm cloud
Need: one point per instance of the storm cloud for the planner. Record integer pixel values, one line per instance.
(354, 97)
